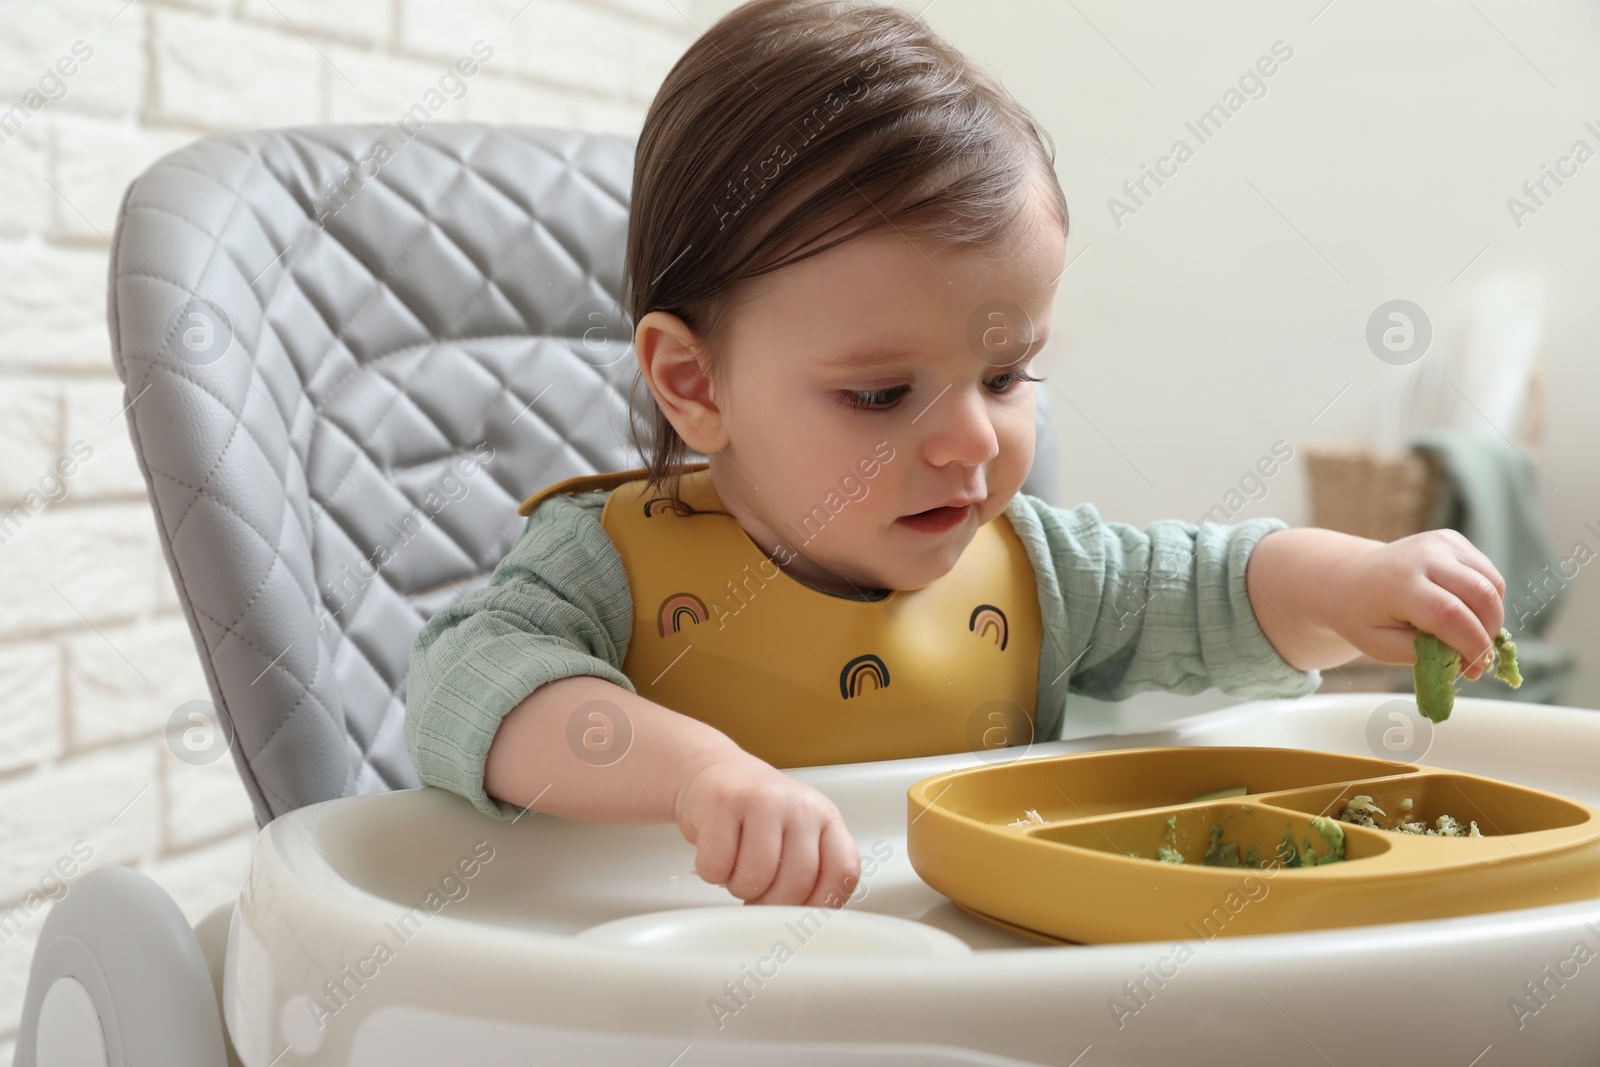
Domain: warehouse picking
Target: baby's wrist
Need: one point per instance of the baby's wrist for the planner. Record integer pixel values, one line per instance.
(1300, 591)
(714, 750)
(1342, 585)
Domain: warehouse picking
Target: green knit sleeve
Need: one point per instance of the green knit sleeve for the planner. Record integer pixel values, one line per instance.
(557, 605)
(1165, 607)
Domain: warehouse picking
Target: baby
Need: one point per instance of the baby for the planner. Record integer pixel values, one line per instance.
(842, 262)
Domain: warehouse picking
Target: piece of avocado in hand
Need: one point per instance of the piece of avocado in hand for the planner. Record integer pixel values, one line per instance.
(1437, 666)
(1505, 667)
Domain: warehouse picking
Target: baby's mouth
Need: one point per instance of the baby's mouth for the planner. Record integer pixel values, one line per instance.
(935, 520)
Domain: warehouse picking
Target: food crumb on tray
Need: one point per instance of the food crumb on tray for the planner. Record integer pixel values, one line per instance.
(1029, 818)
(1360, 810)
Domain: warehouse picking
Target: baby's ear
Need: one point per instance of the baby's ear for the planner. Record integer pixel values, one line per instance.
(678, 368)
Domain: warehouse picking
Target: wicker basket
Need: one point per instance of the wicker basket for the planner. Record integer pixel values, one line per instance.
(1356, 490)
(1387, 496)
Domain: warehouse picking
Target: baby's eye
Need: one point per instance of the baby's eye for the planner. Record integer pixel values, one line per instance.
(1010, 378)
(873, 399)
(885, 399)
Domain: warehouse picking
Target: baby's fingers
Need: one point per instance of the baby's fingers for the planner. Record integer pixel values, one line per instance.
(1452, 609)
(841, 866)
(797, 864)
(760, 849)
(1389, 644)
(716, 844)
(1473, 557)
(1483, 600)
(1476, 589)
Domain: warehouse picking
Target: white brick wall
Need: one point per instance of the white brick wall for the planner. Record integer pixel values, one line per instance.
(94, 651)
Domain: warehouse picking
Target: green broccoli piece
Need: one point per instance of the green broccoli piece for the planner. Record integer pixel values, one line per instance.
(1169, 852)
(1218, 854)
(1437, 666)
(1332, 835)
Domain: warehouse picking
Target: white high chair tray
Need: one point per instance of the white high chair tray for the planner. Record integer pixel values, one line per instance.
(585, 943)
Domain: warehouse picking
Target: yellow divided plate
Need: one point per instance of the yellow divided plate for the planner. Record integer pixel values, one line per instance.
(1087, 873)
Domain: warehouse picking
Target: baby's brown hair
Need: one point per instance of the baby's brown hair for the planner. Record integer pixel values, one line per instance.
(793, 125)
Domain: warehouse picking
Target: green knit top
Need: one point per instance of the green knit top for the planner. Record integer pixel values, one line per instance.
(1123, 609)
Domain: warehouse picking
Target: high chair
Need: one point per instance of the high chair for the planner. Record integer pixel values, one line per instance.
(321, 331)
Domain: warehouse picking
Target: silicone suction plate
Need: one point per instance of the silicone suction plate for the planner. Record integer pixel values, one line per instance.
(1088, 873)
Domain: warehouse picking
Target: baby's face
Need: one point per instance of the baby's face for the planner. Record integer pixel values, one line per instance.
(832, 458)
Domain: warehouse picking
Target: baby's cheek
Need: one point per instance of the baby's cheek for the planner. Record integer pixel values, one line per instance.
(1006, 476)
(1016, 432)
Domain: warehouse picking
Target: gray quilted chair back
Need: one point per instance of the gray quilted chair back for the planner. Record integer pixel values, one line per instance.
(348, 357)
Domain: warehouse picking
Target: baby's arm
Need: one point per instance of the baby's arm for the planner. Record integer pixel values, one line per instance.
(1321, 596)
(1164, 607)
(533, 762)
(498, 678)
(768, 837)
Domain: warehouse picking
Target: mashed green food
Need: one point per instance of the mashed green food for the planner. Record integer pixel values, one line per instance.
(1220, 854)
(1437, 666)
(1332, 835)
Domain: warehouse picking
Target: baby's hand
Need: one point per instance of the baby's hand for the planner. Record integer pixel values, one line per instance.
(770, 838)
(1377, 599)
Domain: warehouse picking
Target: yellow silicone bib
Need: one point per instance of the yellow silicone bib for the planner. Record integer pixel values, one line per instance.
(798, 677)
